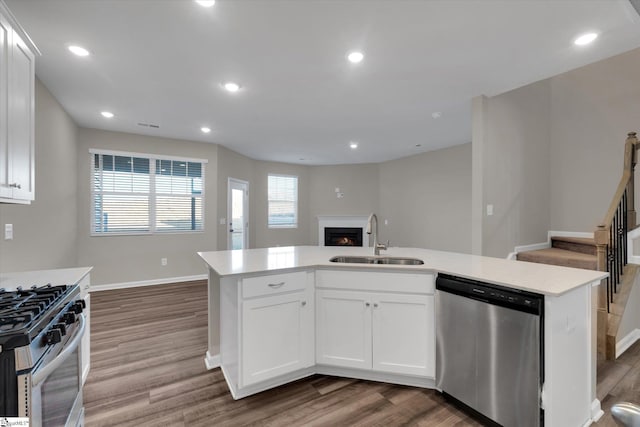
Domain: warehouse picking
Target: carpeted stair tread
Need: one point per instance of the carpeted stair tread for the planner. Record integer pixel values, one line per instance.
(584, 245)
(556, 256)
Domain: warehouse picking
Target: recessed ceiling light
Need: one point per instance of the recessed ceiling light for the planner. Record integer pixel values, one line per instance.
(206, 3)
(78, 50)
(205, 129)
(353, 145)
(107, 114)
(231, 86)
(355, 57)
(585, 39)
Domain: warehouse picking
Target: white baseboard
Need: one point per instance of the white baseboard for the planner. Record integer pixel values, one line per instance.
(596, 411)
(627, 341)
(584, 234)
(163, 281)
(211, 362)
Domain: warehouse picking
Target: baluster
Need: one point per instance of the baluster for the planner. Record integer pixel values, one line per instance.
(614, 264)
(626, 227)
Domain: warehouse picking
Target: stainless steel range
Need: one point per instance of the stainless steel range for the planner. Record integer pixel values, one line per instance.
(40, 371)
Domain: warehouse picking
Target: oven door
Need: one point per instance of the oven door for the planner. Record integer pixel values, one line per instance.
(56, 398)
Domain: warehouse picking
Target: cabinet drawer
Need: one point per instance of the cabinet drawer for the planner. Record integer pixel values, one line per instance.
(273, 284)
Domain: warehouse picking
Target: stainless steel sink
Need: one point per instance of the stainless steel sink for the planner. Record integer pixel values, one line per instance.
(377, 260)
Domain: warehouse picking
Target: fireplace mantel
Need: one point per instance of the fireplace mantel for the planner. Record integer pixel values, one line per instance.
(355, 221)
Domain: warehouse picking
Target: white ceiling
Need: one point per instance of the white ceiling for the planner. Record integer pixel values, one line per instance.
(162, 62)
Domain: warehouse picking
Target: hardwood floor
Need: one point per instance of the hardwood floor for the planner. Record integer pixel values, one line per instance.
(147, 369)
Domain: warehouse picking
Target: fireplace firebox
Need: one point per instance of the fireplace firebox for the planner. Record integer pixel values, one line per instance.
(342, 236)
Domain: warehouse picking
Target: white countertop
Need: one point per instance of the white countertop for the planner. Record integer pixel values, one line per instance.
(56, 277)
(544, 279)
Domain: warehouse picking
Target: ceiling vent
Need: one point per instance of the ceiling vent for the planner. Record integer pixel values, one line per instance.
(149, 125)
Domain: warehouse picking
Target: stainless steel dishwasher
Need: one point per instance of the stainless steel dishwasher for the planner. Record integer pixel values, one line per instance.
(489, 349)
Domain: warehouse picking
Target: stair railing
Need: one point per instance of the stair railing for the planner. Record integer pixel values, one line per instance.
(611, 235)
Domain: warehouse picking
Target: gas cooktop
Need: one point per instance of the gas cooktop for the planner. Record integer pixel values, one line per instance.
(25, 312)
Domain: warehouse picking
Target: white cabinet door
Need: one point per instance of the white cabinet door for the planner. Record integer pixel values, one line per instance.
(5, 51)
(21, 115)
(343, 333)
(404, 334)
(17, 79)
(277, 336)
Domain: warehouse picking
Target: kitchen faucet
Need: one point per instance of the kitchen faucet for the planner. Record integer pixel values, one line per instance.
(376, 246)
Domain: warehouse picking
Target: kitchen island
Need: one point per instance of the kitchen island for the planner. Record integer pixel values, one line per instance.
(280, 314)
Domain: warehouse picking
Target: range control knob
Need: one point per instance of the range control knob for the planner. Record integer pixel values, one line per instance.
(62, 327)
(53, 336)
(69, 318)
(76, 308)
(82, 303)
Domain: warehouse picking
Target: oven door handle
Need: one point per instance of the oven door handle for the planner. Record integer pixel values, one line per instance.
(42, 373)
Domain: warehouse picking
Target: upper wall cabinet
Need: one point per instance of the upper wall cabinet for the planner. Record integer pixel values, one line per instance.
(17, 78)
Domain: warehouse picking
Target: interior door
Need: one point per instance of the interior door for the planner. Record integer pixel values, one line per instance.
(238, 214)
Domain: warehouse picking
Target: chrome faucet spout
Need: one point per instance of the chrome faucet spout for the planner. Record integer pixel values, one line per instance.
(371, 230)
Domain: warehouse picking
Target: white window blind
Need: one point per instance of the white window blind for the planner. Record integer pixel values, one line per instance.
(283, 201)
(138, 193)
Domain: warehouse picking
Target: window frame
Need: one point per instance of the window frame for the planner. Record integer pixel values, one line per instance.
(152, 193)
(297, 202)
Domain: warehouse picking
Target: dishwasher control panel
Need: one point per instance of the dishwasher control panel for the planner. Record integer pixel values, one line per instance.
(491, 294)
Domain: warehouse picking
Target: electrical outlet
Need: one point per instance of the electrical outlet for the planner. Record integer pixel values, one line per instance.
(8, 232)
(340, 195)
(163, 262)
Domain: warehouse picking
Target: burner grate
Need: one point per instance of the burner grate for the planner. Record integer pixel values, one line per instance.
(20, 308)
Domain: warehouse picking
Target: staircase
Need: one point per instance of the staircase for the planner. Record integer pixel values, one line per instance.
(606, 251)
(576, 252)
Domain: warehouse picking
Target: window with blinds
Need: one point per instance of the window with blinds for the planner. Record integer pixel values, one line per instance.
(282, 201)
(143, 194)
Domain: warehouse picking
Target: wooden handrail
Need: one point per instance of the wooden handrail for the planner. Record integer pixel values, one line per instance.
(611, 234)
(630, 147)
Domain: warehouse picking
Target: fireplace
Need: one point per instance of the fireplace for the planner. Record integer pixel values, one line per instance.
(343, 236)
(343, 230)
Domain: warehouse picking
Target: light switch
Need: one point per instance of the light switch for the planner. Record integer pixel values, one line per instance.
(489, 210)
(223, 221)
(8, 232)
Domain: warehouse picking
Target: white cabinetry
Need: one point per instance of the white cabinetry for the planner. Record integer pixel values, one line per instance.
(404, 334)
(85, 348)
(17, 76)
(267, 330)
(343, 328)
(392, 332)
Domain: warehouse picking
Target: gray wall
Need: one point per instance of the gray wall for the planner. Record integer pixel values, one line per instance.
(358, 183)
(593, 108)
(549, 154)
(263, 236)
(514, 167)
(119, 259)
(426, 199)
(45, 230)
(233, 165)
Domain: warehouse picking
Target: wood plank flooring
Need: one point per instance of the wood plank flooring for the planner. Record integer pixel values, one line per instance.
(147, 369)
